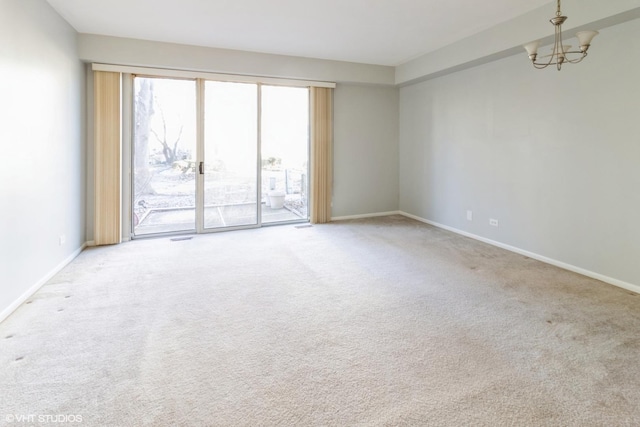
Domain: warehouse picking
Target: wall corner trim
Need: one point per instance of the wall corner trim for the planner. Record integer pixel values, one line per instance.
(609, 280)
(33, 289)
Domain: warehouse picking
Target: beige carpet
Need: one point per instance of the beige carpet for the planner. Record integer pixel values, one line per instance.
(372, 322)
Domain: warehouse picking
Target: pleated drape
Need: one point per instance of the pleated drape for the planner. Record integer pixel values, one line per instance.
(321, 154)
(107, 140)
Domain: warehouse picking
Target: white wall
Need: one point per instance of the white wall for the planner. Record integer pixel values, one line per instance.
(124, 51)
(507, 38)
(365, 150)
(366, 112)
(554, 156)
(42, 174)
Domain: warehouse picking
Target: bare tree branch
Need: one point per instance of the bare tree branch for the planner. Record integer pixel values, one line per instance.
(175, 144)
(157, 137)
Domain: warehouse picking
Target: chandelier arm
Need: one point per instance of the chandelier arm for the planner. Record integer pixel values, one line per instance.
(557, 46)
(558, 49)
(540, 66)
(576, 60)
(551, 61)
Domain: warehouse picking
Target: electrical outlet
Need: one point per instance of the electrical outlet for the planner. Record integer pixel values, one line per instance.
(62, 239)
(469, 215)
(493, 222)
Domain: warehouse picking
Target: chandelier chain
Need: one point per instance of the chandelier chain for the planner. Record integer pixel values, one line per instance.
(558, 12)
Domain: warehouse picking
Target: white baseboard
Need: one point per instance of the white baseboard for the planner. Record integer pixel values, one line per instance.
(615, 282)
(33, 289)
(369, 215)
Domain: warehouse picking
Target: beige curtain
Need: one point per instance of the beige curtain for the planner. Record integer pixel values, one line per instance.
(321, 154)
(107, 157)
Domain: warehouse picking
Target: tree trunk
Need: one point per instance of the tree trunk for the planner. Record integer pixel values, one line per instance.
(143, 111)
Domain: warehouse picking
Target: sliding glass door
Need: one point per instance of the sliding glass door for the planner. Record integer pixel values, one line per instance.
(230, 154)
(213, 155)
(285, 153)
(164, 156)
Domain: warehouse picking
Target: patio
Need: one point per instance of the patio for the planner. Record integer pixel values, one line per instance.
(163, 220)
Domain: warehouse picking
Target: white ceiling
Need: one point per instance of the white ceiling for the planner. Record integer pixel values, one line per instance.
(384, 32)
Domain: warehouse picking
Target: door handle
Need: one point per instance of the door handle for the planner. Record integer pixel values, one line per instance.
(201, 168)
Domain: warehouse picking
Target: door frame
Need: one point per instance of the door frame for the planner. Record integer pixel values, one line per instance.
(127, 218)
(200, 156)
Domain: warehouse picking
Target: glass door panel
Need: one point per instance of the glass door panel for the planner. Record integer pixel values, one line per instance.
(164, 156)
(230, 154)
(285, 153)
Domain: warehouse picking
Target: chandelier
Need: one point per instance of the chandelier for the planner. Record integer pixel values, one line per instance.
(561, 53)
